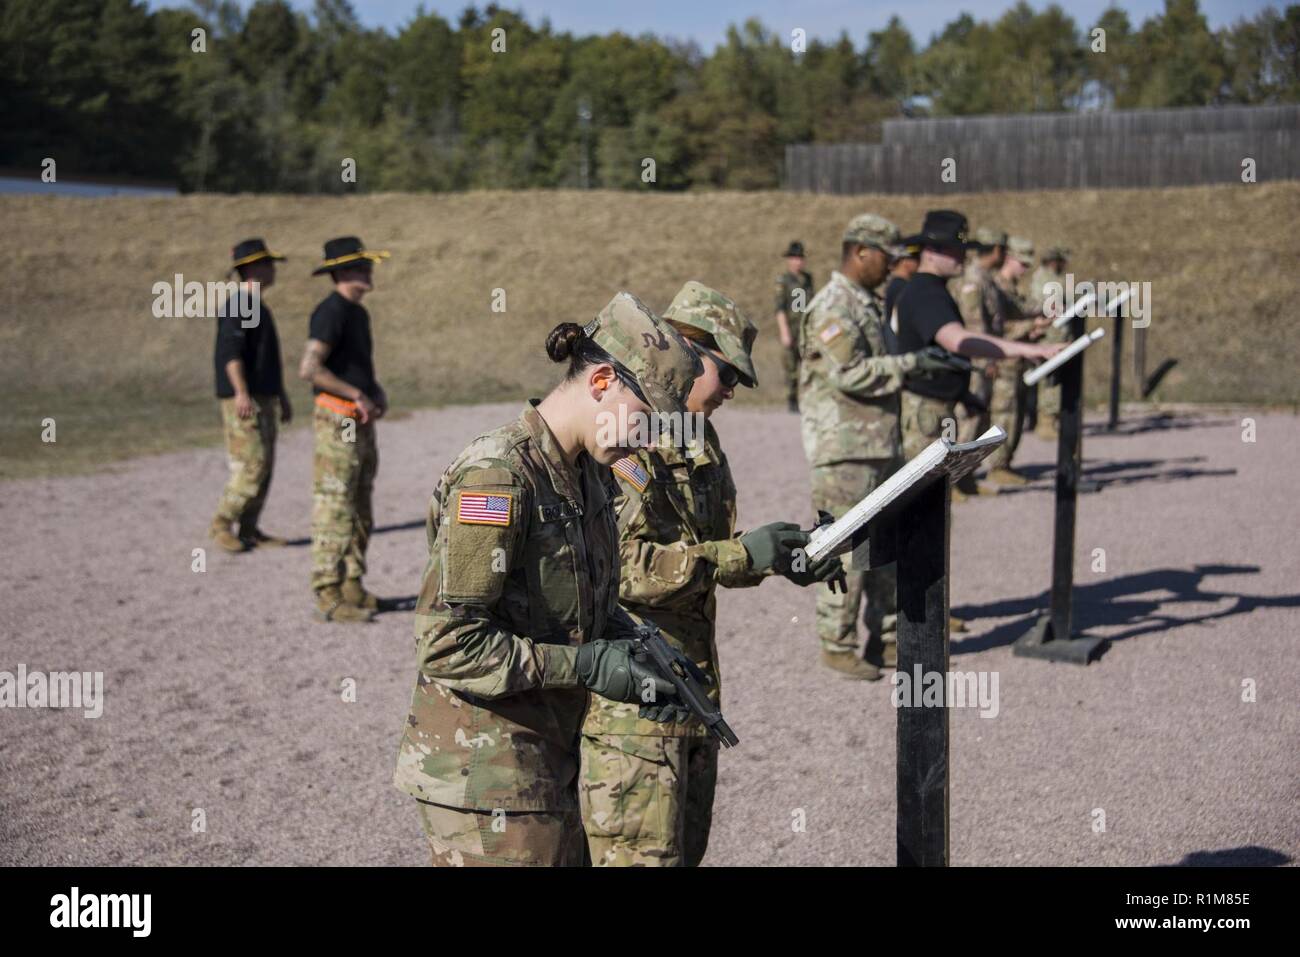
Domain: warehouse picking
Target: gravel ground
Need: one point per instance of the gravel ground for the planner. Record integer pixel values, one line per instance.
(221, 694)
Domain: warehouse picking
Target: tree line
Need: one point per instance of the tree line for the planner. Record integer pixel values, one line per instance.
(216, 98)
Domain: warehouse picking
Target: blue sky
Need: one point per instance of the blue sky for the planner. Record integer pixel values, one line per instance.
(706, 21)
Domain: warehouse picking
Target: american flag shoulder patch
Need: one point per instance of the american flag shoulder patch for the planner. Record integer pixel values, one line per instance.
(630, 471)
(483, 508)
(830, 332)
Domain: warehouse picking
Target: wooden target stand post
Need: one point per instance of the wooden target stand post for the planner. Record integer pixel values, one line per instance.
(906, 520)
(1052, 636)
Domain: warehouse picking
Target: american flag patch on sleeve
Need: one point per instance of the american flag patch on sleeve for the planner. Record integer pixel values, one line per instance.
(480, 509)
(630, 471)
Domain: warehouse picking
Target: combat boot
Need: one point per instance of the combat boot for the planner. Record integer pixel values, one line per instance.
(259, 539)
(355, 594)
(850, 665)
(330, 606)
(221, 534)
(1007, 476)
(956, 624)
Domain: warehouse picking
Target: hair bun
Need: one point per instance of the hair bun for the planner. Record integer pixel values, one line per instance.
(563, 341)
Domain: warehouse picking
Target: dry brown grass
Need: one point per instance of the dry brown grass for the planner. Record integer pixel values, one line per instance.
(79, 342)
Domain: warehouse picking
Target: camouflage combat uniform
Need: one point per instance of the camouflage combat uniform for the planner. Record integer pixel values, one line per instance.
(1006, 408)
(788, 288)
(494, 719)
(646, 789)
(250, 451)
(523, 567)
(344, 466)
(849, 389)
(1049, 395)
(977, 298)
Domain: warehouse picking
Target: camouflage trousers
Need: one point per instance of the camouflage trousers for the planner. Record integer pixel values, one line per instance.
(343, 477)
(836, 489)
(647, 800)
(1008, 412)
(923, 420)
(972, 423)
(790, 366)
(250, 450)
(1049, 396)
(464, 837)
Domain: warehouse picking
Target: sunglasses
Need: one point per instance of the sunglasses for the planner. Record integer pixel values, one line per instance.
(727, 373)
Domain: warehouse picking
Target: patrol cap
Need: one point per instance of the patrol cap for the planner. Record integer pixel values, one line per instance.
(1055, 252)
(655, 353)
(707, 309)
(1022, 249)
(988, 236)
(872, 230)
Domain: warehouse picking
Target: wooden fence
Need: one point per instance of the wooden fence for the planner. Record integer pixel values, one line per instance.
(1135, 148)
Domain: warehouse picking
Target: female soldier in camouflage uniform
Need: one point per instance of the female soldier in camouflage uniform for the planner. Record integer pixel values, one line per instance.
(647, 789)
(518, 615)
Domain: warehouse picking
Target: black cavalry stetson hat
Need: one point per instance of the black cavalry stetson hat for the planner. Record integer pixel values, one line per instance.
(943, 227)
(794, 249)
(346, 251)
(250, 251)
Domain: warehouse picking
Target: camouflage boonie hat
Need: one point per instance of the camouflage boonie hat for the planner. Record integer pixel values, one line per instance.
(655, 353)
(710, 311)
(1056, 252)
(872, 230)
(988, 236)
(1020, 248)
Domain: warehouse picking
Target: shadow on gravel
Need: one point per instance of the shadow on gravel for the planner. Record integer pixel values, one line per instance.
(1159, 422)
(378, 530)
(1129, 472)
(1115, 603)
(1250, 856)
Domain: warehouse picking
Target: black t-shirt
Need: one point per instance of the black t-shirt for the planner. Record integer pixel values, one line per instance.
(345, 327)
(258, 346)
(925, 307)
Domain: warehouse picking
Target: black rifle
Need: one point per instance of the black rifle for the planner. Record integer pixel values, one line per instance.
(688, 679)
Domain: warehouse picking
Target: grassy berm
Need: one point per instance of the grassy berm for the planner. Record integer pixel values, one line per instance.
(79, 343)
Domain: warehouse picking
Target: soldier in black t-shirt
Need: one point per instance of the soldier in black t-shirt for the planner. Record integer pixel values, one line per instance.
(250, 387)
(339, 363)
(926, 315)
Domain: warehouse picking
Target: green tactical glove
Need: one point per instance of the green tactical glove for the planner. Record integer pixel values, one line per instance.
(771, 547)
(928, 363)
(673, 710)
(610, 669)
